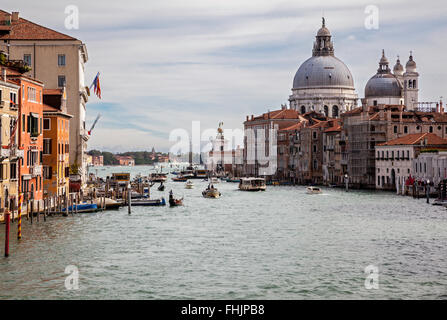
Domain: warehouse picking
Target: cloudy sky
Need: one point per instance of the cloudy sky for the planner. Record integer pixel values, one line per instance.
(166, 63)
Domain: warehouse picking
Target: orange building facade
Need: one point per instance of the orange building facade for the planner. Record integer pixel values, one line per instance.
(56, 165)
(30, 136)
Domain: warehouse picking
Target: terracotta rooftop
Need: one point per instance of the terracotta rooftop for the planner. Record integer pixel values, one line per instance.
(295, 126)
(335, 126)
(415, 139)
(26, 30)
(278, 114)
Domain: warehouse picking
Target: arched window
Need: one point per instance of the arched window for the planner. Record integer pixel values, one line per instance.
(431, 129)
(303, 109)
(395, 129)
(326, 111)
(405, 129)
(414, 84)
(335, 111)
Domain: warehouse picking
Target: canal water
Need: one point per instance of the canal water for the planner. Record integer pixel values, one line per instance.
(277, 244)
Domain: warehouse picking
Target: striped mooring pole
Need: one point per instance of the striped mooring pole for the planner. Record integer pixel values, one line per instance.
(19, 211)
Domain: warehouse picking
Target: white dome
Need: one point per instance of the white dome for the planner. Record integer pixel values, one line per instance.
(323, 71)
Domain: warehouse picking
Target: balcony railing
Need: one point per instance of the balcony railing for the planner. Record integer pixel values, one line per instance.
(36, 171)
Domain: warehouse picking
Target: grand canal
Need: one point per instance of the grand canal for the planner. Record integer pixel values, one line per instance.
(278, 244)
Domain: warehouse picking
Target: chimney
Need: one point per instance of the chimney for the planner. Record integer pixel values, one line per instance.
(247, 118)
(441, 109)
(252, 117)
(4, 74)
(14, 17)
(437, 107)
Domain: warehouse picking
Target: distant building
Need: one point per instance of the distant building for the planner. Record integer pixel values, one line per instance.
(98, 161)
(397, 159)
(163, 158)
(260, 148)
(431, 165)
(125, 160)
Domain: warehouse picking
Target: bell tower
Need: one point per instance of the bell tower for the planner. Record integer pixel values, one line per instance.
(411, 84)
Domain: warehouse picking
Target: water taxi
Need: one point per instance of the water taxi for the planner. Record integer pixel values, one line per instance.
(252, 184)
(313, 190)
(189, 184)
(157, 177)
(148, 202)
(180, 178)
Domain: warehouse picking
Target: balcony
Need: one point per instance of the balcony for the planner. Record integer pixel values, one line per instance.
(5, 153)
(13, 106)
(35, 171)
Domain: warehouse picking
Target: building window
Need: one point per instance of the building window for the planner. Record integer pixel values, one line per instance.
(27, 59)
(335, 111)
(13, 171)
(303, 109)
(31, 94)
(46, 124)
(47, 172)
(405, 129)
(431, 129)
(375, 102)
(395, 129)
(60, 81)
(61, 60)
(46, 146)
(33, 125)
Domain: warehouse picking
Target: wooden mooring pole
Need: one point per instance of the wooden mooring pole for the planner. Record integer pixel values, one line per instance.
(7, 218)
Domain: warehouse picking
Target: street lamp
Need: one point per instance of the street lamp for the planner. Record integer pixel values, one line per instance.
(346, 181)
(427, 190)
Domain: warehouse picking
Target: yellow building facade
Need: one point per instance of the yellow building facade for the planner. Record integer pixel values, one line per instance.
(9, 94)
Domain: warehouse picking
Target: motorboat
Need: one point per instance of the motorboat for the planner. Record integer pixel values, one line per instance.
(180, 178)
(174, 202)
(233, 180)
(252, 184)
(189, 184)
(313, 190)
(82, 208)
(149, 202)
(108, 203)
(161, 187)
(211, 192)
(157, 177)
